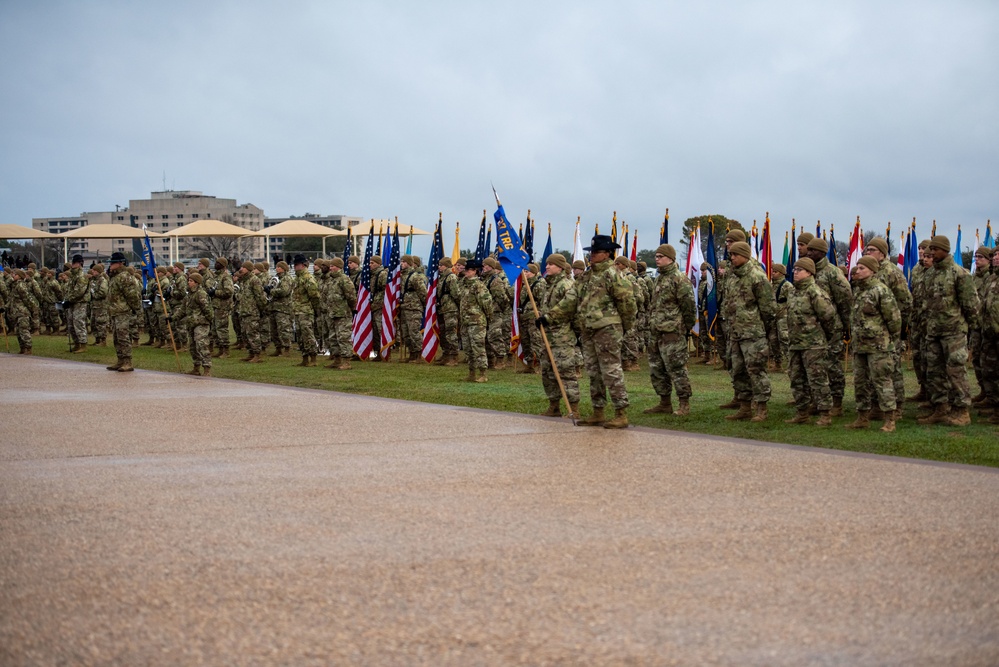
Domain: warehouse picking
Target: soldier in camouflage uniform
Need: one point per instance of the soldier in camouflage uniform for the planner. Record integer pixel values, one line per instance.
(704, 342)
(124, 305)
(876, 321)
(561, 339)
(671, 317)
(221, 290)
(629, 345)
(306, 302)
(99, 319)
(951, 305)
(604, 301)
(989, 355)
(251, 304)
(21, 303)
(447, 312)
(981, 277)
(411, 304)
(196, 311)
(917, 322)
(379, 278)
(52, 294)
(282, 309)
(835, 284)
(321, 274)
(497, 344)
(749, 310)
(779, 334)
(530, 338)
(895, 280)
(176, 293)
(339, 302)
(475, 302)
(34, 280)
(77, 297)
(812, 322)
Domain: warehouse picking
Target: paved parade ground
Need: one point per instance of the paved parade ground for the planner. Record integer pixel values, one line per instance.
(149, 518)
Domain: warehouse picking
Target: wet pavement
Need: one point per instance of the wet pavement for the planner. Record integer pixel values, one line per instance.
(160, 519)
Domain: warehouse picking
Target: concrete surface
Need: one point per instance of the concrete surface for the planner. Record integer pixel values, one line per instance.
(158, 519)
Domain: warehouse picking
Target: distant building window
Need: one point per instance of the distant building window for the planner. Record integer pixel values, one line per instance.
(194, 215)
(121, 217)
(165, 217)
(149, 217)
(180, 216)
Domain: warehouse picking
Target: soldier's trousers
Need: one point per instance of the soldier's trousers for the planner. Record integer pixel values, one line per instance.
(99, 321)
(376, 330)
(447, 323)
(809, 376)
(338, 337)
(989, 360)
(722, 344)
(896, 374)
(749, 369)
(306, 334)
(180, 332)
(250, 324)
(221, 326)
(668, 365)
(872, 380)
(50, 316)
(918, 357)
(21, 325)
(409, 328)
(284, 329)
(630, 346)
(975, 350)
(834, 368)
(565, 363)
(77, 323)
(497, 346)
(602, 358)
(473, 339)
(121, 334)
(200, 337)
(946, 372)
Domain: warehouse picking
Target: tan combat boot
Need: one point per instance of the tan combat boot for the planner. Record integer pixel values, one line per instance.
(276, 352)
(344, 364)
(800, 417)
(482, 376)
(82, 347)
(665, 407)
(760, 414)
(745, 412)
(888, 426)
(734, 404)
(620, 419)
(553, 409)
(115, 366)
(837, 408)
(27, 351)
(941, 412)
(126, 365)
(825, 418)
(206, 372)
(256, 359)
(195, 371)
(596, 419)
(471, 375)
(312, 361)
(451, 360)
(958, 417)
(684, 408)
(305, 361)
(863, 420)
(334, 362)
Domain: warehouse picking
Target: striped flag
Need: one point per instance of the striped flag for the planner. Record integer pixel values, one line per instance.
(695, 257)
(856, 246)
(431, 329)
(390, 301)
(516, 344)
(348, 249)
(361, 336)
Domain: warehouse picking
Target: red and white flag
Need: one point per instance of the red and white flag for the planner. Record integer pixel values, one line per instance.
(361, 336)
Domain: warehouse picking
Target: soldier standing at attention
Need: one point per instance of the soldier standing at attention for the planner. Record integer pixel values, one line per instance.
(812, 323)
(283, 311)
(561, 339)
(779, 334)
(197, 316)
(21, 304)
(447, 313)
(917, 322)
(475, 303)
(221, 290)
(748, 309)
(951, 305)
(251, 304)
(831, 280)
(306, 302)
(605, 303)
(497, 345)
(379, 278)
(990, 337)
(411, 303)
(894, 279)
(982, 277)
(530, 339)
(671, 316)
(876, 323)
(77, 298)
(629, 345)
(124, 305)
(177, 294)
(339, 303)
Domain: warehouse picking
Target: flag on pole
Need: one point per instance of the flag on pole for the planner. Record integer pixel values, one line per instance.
(831, 255)
(766, 248)
(903, 247)
(529, 237)
(664, 230)
(456, 251)
(361, 336)
(711, 307)
(481, 251)
(978, 243)
(634, 247)
(516, 345)
(989, 242)
(856, 246)
(511, 255)
(789, 264)
(431, 328)
(754, 242)
(787, 252)
(148, 258)
(957, 248)
(911, 253)
(818, 229)
(489, 240)
(390, 300)
(348, 249)
(695, 257)
(624, 245)
(933, 230)
(548, 251)
(613, 233)
(577, 246)
(409, 241)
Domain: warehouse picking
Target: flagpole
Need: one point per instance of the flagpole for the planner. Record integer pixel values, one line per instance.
(166, 316)
(548, 348)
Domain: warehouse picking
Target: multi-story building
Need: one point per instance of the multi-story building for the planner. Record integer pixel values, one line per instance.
(91, 248)
(276, 247)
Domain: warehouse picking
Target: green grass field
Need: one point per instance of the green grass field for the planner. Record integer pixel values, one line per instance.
(510, 392)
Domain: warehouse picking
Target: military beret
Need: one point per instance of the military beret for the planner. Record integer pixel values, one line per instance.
(179, 265)
(248, 265)
(621, 260)
(196, 277)
(985, 251)
(870, 263)
(741, 248)
(806, 264)
(819, 244)
(881, 245)
(805, 237)
(259, 266)
(223, 261)
(207, 262)
(779, 268)
(559, 260)
(337, 262)
(579, 264)
(354, 258)
(491, 262)
(446, 262)
(736, 235)
(283, 265)
(377, 259)
(534, 268)
(940, 242)
(667, 250)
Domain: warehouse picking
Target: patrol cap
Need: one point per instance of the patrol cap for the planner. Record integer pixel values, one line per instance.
(819, 244)
(621, 260)
(196, 277)
(283, 265)
(320, 262)
(354, 258)
(940, 242)
(779, 268)
(462, 261)
(534, 268)
(667, 250)
(407, 258)
(736, 235)
(248, 265)
(559, 260)
(882, 245)
(870, 263)
(337, 262)
(924, 244)
(741, 248)
(806, 264)
(804, 238)
(579, 264)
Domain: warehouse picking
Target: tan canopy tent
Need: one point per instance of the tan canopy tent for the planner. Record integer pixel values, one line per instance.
(205, 227)
(21, 233)
(102, 232)
(364, 228)
(298, 227)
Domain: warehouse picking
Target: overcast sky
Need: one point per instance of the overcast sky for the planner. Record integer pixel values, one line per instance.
(808, 110)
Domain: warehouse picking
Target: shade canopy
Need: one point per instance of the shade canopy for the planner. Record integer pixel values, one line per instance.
(299, 227)
(209, 228)
(107, 232)
(364, 228)
(18, 232)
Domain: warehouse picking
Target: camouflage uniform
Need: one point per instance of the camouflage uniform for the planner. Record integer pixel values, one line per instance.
(251, 304)
(178, 292)
(221, 289)
(748, 309)
(989, 354)
(779, 334)
(124, 304)
(671, 317)
(981, 280)
(379, 278)
(340, 300)
(21, 303)
(306, 302)
(475, 302)
(412, 300)
(497, 342)
(831, 280)
(283, 311)
(99, 319)
(812, 322)
(877, 322)
(52, 293)
(895, 280)
(197, 312)
(605, 303)
(704, 342)
(35, 285)
(723, 326)
(630, 344)
(77, 297)
(951, 304)
(917, 325)
(447, 314)
(530, 338)
(562, 340)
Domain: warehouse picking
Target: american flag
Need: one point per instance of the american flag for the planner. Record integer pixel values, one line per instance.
(390, 304)
(431, 330)
(361, 336)
(348, 249)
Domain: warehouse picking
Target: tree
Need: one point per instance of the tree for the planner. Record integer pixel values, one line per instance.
(648, 256)
(871, 235)
(721, 223)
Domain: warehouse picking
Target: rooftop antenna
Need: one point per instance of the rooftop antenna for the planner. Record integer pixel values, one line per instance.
(164, 180)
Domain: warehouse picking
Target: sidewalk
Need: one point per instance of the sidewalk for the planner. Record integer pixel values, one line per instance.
(162, 519)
